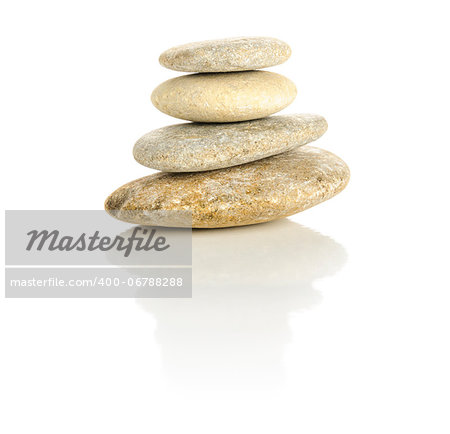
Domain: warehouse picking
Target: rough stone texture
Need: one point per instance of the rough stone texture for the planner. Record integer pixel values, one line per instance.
(255, 192)
(225, 55)
(192, 147)
(224, 97)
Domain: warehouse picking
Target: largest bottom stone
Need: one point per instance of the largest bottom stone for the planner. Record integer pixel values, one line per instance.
(256, 192)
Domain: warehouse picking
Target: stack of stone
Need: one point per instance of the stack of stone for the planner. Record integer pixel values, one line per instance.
(232, 165)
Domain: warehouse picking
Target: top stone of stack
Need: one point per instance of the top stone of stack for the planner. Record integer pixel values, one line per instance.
(226, 55)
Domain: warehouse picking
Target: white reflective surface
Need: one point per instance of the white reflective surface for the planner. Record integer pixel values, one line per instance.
(246, 283)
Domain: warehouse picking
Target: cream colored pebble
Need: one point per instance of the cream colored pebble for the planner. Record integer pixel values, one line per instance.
(224, 97)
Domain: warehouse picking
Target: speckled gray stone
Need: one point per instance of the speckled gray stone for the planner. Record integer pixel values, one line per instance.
(224, 97)
(255, 192)
(225, 55)
(192, 147)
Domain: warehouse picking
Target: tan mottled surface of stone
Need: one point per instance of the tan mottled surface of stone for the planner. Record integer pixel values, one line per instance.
(255, 192)
(192, 147)
(224, 97)
(225, 55)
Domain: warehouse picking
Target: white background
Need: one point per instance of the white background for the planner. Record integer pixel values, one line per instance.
(336, 321)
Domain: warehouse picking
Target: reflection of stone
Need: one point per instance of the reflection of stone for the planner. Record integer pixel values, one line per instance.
(179, 240)
(273, 255)
(246, 281)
